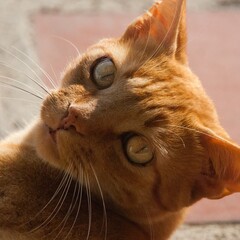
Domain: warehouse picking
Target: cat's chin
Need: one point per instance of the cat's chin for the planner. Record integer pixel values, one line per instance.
(45, 144)
(53, 146)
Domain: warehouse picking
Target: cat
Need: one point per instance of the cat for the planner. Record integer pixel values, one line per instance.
(123, 147)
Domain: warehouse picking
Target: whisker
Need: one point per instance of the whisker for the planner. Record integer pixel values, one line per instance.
(164, 39)
(60, 186)
(80, 191)
(19, 99)
(57, 207)
(150, 69)
(178, 50)
(21, 61)
(184, 145)
(68, 214)
(88, 191)
(150, 224)
(161, 148)
(192, 129)
(68, 41)
(208, 132)
(131, 43)
(43, 87)
(21, 83)
(37, 65)
(54, 73)
(19, 88)
(146, 45)
(105, 221)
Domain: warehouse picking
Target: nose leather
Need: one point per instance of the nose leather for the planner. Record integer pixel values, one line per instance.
(71, 118)
(74, 119)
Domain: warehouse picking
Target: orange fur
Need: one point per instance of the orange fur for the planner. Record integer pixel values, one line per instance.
(155, 95)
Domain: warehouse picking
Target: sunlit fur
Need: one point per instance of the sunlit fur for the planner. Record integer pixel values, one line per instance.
(155, 95)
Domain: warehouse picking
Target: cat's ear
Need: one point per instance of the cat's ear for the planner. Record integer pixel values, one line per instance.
(220, 175)
(161, 29)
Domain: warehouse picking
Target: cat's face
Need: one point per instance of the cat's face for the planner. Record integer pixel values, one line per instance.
(128, 115)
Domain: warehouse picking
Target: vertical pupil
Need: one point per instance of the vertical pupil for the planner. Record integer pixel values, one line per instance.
(137, 150)
(104, 73)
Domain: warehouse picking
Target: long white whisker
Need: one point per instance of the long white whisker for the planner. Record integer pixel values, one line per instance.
(184, 145)
(60, 186)
(57, 207)
(88, 191)
(210, 134)
(80, 191)
(67, 41)
(37, 65)
(105, 222)
(164, 39)
(19, 88)
(21, 61)
(21, 83)
(68, 214)
(207, 133)
(54, 73)
(150, 224)
(146, 45)
(19, 99)
(43, 87)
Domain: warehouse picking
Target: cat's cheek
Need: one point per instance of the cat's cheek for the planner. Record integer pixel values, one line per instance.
(45, 146)
(68, 143)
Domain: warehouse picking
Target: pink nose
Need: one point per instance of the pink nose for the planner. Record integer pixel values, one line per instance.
(74, 119)
(80, 115)
(70, 119)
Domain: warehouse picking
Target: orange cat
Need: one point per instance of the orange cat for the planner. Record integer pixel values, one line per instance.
(138, 139)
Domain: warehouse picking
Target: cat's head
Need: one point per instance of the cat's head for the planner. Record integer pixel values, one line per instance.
(132, 117)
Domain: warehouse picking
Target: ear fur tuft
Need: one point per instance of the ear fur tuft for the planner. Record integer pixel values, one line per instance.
(221, 168)
(162, 28)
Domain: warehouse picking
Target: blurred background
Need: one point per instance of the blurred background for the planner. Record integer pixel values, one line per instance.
(36, 43)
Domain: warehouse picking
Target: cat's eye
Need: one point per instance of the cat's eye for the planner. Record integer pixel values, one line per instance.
(103, 73)
(138, 150)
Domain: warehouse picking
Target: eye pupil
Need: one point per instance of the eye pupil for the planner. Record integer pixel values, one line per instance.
(103, 73)
(138, 150)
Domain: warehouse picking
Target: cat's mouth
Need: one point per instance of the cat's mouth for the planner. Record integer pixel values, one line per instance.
(53, 132)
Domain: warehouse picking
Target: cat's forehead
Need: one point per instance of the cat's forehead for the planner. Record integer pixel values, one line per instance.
(134, 71)
(107, 47)
(128, 58)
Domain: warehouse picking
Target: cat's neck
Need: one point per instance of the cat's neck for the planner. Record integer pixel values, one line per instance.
(160, 224)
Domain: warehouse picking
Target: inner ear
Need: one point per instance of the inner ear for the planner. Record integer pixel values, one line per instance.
(220, 174)
(161, 29)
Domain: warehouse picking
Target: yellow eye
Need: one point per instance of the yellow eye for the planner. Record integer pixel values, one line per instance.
(138, 150)
(103, 73)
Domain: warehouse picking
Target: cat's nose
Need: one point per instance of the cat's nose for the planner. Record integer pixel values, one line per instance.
(70, 119)
(76, 117)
